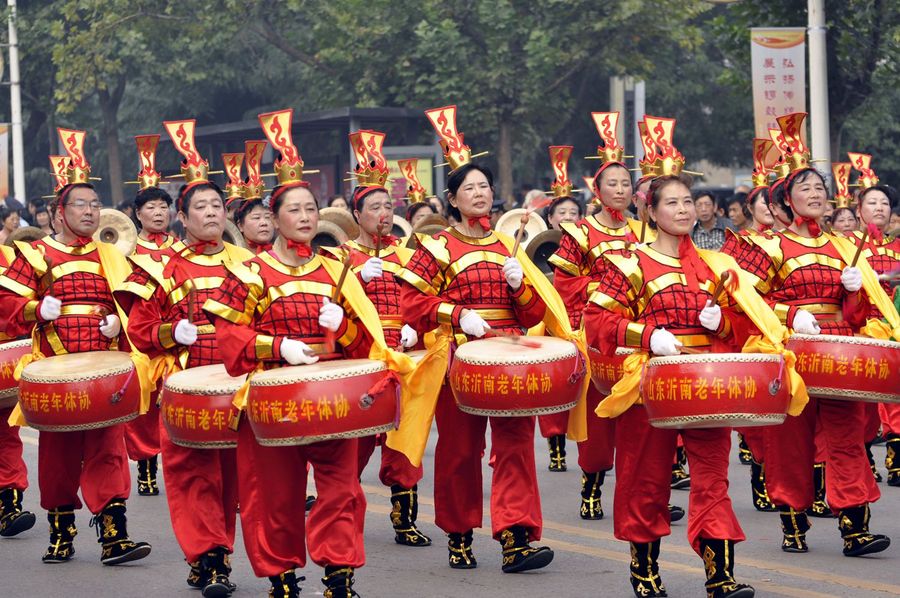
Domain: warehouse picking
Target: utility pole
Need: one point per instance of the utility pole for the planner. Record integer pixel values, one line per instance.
(818, 85)
(15, 101)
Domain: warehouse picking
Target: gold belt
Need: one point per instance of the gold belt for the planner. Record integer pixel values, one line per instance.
(496, 314)
(81, 310)
(826, 312)
(391, 322)
(206, 329)
(693, 340)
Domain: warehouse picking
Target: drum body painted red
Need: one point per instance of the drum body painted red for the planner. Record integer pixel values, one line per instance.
(196, 407)
(10, 353)
(606, 371)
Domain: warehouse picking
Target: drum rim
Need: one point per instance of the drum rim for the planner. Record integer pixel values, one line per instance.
(201, 392)
(113, 370)
(24, 342)
(846, 340)
(82, 427)
(7, 393)
(620, 352)
(719, 358)
(261, 380)
(517, 412)
(237, 381)
(304, 440)
(763, 419)
(532, 359)
(215, 444)
(831, 393)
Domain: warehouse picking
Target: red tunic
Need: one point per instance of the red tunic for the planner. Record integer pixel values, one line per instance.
(884, 258)
(144, 247)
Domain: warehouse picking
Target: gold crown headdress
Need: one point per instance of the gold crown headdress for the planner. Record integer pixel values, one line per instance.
(761, 162)
(415, 192)
(842, 196)
(456, 152)
(77, 169)
(194, 168)
(147, 176)
(610, 151)
(58, 167)
(254, 187)
(647, 164)
(371, 168)
(862, 163)
(234, 185)
(780, 167)
(794, 151)
(288, 165)
(668, 161)
(559, 159)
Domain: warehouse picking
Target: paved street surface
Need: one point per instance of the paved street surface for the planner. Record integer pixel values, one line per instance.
(589, 560)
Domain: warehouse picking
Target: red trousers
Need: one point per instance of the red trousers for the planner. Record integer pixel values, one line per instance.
(644, 475)
(273, 505)
(142, 434)
(597, 453)
(873, 421)
(395, 467)
(554, 424)
(458, 503)
(93, 460)
(890, 418)
(201, 488)
(756, 441)
(13, 473)
(790, 454)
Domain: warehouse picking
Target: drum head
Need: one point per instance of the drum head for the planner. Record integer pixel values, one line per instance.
(315, 372)
(78, 366)
(206, 379)
(504, 351)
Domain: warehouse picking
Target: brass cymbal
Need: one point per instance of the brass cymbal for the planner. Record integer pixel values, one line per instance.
(541, 247)
(431, 220)
(509, 225)
(427, 230)
(232, 234)
(342, 218)
(401, 227)
(25, 233)
(117, 229)
(329, 234)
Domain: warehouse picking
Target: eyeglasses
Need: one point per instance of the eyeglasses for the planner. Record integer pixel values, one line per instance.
(80, 204)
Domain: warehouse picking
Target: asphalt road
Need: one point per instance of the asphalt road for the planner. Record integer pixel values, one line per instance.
(589, 560)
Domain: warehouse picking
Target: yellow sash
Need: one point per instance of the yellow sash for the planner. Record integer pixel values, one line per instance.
(873, 328)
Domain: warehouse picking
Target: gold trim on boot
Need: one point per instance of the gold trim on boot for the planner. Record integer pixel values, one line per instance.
(338, 582)
(62, 534)
(819, 507)
(404, 512)
(557, 446)
(644, 570)
(892, 459)
(591, 507)
(794, 525)
(718, 560)
(460, 549)
(853, 524)
(13, 519)
(519, 555)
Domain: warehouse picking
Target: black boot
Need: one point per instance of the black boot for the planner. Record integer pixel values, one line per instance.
(794, 525)
(62, 532)
(591, 509)
(215, 567)
(285, 585)
(310, 501)
(892, 459)
(681, 479)
(718, 559)
(557, 452)
(519, 555)
(461, 555)
(112, 534)
(338, 582)
(761, 500)
(146, 478)
(854, 526)
(819, 507)
(404, 511)
(875, 472)
(645, 580)
(744, 454)
(13, 520)
(676, 513)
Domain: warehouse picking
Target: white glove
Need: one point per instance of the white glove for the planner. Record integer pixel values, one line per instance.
(805, 322)
(851, 278)
(50, 308)
(408, 336)
(664, 343)
(473, 324)
(297, 352)
(711, 316)
(330, 315)
(512, 270)
(185, 333)
(373, 268)
(112, 328)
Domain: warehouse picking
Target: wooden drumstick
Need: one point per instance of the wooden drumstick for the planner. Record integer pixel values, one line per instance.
(516, 338)
(341, 279)
(192, 305)
(859, 249)
(379, 230)
(102, 313)
(720, 286)
(523, 221)
(49, 261)
(692, 351)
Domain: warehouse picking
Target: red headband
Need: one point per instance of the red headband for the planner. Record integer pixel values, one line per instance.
(362, 192)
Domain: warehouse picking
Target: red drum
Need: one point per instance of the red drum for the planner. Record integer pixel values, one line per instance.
(501, 378)
(10, 353)
(849, 368)
(606, 371)
(80, 391)
(715, 390)
(328, 400)
(197, 410)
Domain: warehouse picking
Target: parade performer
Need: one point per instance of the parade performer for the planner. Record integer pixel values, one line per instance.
(163, 299)
(252, 218)
(874, 205)
(53, 290)
(151, 207)
(657, 299)
(376, 258)
(807, 277)
(234, 188)
(464, 281)
(276, 310)
(13, 473)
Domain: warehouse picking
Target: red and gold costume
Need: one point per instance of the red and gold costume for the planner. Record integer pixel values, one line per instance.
(637, 294)
(13, 473)
(450, 272)
(157, 243)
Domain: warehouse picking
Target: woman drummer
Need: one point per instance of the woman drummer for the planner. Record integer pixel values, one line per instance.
(464, 278)
(657, 299)
(803, 273)
(252, 218)
(292, 328)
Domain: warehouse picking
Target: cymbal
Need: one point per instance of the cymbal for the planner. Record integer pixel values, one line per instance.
(509, 224)
(329, 234)
(25, 233)
(342, 218)
(401, 227)
(117, 229)
(431, 220)
(232, 234)
(541, 247)
(427, 230)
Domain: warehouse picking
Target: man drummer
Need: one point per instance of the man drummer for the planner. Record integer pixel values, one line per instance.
(164, 299)
(13, 473)
(151, 207)
(376, 258)
(52, 290)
